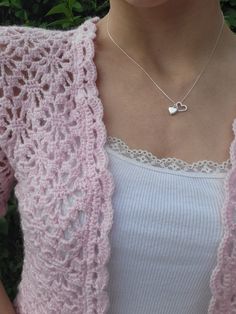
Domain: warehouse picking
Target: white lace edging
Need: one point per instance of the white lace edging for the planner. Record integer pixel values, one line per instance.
(144, 156)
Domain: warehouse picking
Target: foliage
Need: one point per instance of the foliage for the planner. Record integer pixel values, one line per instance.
(229, 10)
(65, 14)
(59, 14)
(11, 247)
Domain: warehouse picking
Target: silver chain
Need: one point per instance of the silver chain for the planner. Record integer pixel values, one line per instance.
(178, 106)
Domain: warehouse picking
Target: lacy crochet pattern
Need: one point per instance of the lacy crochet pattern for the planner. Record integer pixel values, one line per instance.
(52, 140)
(49, 115)
(144, 156)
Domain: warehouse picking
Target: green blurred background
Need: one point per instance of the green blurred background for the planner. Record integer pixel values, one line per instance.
(51, 14)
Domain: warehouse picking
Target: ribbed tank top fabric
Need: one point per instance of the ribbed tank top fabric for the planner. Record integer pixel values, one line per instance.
(166, 230)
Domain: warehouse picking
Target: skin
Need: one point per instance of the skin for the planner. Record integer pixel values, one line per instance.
(141, 25)
(6, 306)
(171, 40)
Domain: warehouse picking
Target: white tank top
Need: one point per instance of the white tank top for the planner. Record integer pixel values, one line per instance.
(165, 233)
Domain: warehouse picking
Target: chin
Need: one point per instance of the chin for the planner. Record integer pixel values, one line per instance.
(146, 3)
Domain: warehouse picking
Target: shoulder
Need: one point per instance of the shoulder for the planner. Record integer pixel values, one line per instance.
(13, 33)
(16, 32)
(23, 40)
(37, 69)
(32, 61)
(24, 46)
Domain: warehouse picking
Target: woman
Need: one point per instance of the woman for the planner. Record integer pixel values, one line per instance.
(136, 225)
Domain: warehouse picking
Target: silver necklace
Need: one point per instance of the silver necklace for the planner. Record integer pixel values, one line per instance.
(177, 106)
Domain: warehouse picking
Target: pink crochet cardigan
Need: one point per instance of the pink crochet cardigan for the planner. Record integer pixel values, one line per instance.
(52, 140)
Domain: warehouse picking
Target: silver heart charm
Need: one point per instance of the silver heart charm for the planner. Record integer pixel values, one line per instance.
(181, 107)
(177, 107)
(173, 109)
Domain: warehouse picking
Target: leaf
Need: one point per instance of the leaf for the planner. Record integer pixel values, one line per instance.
(60, 8)
(59, 22)
(20, 14)
(78, 7)
(16, 4)
(70, 4)
(78, 19)
(5, 4)
(102, 7)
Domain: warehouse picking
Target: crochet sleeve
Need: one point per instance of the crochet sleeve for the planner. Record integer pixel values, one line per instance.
(10, 52)
(32, 60)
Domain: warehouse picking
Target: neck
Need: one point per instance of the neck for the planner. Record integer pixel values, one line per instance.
(176, 36)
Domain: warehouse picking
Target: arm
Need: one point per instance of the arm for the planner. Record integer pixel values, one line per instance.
(5, 303)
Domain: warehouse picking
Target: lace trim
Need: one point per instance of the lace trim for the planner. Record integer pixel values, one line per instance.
(144, 156)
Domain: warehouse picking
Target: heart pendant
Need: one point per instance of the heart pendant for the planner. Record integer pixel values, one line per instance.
(177, 107)
(173, 109)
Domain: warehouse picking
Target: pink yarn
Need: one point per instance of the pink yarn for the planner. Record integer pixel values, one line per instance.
(52, 139)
